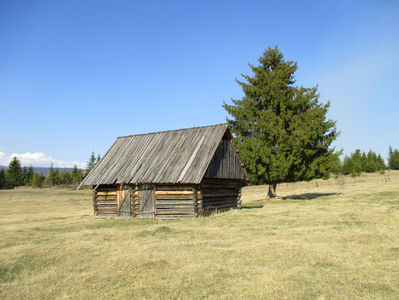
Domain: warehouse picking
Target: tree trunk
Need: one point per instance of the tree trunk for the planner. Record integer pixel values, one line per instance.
(272, 191)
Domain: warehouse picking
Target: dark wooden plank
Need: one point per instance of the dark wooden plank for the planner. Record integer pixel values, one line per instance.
(166, 211)
(169, 217)
(174, 206)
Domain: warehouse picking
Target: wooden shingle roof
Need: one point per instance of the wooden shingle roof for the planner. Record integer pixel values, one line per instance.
(176, 156)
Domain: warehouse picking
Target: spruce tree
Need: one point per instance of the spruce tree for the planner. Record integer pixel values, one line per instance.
(281, 130)
(14, 173)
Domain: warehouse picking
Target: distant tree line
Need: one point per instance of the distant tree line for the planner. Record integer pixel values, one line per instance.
(359, 162)
(20, 176)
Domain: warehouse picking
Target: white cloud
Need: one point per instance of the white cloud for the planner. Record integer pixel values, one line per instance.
(2, 133)
(38, 159)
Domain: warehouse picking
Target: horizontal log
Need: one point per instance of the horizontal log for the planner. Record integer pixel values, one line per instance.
(174, 211)
(171, 217)
(106, 193)
(106, 204)
(174, 192)
(174, 188)
(108, 215)
(172, 201)
(179, 205)
(107, 212)
(105, 200)
(174, 197)
(107, 208)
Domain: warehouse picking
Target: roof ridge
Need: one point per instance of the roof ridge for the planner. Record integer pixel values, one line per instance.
(172, 130)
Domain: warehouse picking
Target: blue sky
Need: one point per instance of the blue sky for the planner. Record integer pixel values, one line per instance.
(76, 74)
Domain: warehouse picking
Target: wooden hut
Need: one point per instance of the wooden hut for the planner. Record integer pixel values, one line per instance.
(170, 174)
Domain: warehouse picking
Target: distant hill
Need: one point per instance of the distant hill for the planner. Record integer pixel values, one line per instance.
(43, 170)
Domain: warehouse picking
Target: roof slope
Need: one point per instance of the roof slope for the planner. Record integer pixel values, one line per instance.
(176, 156)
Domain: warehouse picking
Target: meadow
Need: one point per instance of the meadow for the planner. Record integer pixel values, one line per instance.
(334, 239)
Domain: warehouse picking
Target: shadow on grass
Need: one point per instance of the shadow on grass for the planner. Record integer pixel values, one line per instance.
(251, 205)
(304, 196)
(308, 196)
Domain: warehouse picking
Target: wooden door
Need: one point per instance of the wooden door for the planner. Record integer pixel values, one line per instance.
(147, 196)
(124, 209)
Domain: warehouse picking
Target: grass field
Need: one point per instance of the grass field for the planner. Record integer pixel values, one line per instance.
(326, 240)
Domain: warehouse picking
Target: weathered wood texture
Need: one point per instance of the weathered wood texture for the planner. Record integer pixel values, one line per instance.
(176, 156)
(225, 163)
(175, 201)
(124, 201)
(147, 201)
(105, 201)
(171, 174)
(220, 195)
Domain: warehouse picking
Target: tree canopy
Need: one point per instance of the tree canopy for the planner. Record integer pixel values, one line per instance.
(393, 159)
(281, 130)
(14, 173)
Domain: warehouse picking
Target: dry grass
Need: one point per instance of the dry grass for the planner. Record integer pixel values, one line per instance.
(327, 239)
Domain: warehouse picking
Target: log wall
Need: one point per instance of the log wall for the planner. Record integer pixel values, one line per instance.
(220, 195)
(171, 201)
(175, 201)
(105, 201)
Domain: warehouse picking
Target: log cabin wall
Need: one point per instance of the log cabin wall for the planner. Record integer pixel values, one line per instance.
(175, 201)
(223, 180)
(220, 195)
(105, 200)
(170, 201)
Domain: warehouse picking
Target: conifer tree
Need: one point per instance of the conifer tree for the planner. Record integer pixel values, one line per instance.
(3, 183)
(91, 163)
(393, 159)
(14, 173)
(29, 175)
(25, 174)
(52, 176)
(381, 164)
(281, 130)
(38, 180)
(76, 175)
